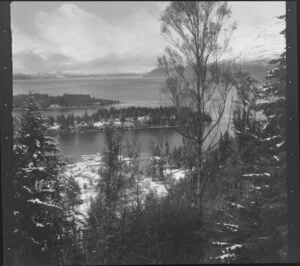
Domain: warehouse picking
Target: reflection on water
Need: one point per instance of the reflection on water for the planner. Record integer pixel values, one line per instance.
(77, 144)
(74, 145)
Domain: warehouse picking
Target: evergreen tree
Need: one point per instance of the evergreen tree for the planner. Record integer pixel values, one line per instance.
(37, 170)
(45, 226)
(51, 120)
(103, 237)
(254, 221)
(71, 199)
(72, 193)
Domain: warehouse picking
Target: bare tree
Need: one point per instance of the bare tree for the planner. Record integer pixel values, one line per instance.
(246, 88)
(197, 84)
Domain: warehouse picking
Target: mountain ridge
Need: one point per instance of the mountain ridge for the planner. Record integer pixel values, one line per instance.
(257, 69)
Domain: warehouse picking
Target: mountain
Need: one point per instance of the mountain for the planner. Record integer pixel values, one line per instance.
(263, 42)
(155, 73)
(19, 76)
(258, 70)
(22, 76)
(254, 48)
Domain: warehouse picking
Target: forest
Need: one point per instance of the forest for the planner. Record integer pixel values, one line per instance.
(128, 117)
(66, 100)
(230, 207)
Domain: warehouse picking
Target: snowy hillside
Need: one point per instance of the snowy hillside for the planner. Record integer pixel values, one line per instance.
(86, 174)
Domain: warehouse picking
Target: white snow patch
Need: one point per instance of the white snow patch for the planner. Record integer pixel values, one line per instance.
(225, 256)
(34, 241)
(235, 246)
(39, 225)
(87, 174)
(239, 206)
(257, 174)
(54, 127)
(270, 138)
(100, 124)
(280, 144)
(38, 144)
(220, 243)
(176, 174)
(231, 225)
(38, 201)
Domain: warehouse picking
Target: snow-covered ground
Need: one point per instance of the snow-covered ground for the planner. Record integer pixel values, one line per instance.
(54, 127)
(86, 174)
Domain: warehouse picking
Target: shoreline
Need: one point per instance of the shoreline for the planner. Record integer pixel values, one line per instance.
(79, 130)
(72, 107)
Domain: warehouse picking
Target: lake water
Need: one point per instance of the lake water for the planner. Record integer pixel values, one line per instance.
(74, 145)
(131, 91)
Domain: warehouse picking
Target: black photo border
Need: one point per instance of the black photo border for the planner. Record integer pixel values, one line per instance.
(292, 95)
(292, 126)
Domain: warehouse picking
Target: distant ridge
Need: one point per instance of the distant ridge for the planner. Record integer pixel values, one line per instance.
(24, 76)
(258, 70)
(155, 73)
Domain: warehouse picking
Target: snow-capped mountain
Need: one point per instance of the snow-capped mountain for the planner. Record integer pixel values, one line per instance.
(254, 48)
(262, 43)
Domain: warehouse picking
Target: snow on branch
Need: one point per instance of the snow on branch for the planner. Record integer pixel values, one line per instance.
(257, 174)
(231, 227)
(225, 256)
(239, 206)
(34, 241)
(27, 189)
(280, 144)
(234, 247)
(38, 144)
(39, 225)
(271, 99)
(38, 201)
(220, 243)
(47, 190)
(270, 138)
(259, 188)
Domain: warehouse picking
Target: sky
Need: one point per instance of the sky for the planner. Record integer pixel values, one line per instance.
(113, 37)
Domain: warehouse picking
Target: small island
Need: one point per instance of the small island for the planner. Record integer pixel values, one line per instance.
(46, 101)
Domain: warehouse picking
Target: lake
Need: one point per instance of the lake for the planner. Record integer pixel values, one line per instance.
(74, 145)
(131, 91)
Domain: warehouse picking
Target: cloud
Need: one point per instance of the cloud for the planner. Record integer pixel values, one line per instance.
(29, 61)
(85, 38)
(115, 63)
(120, 37)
